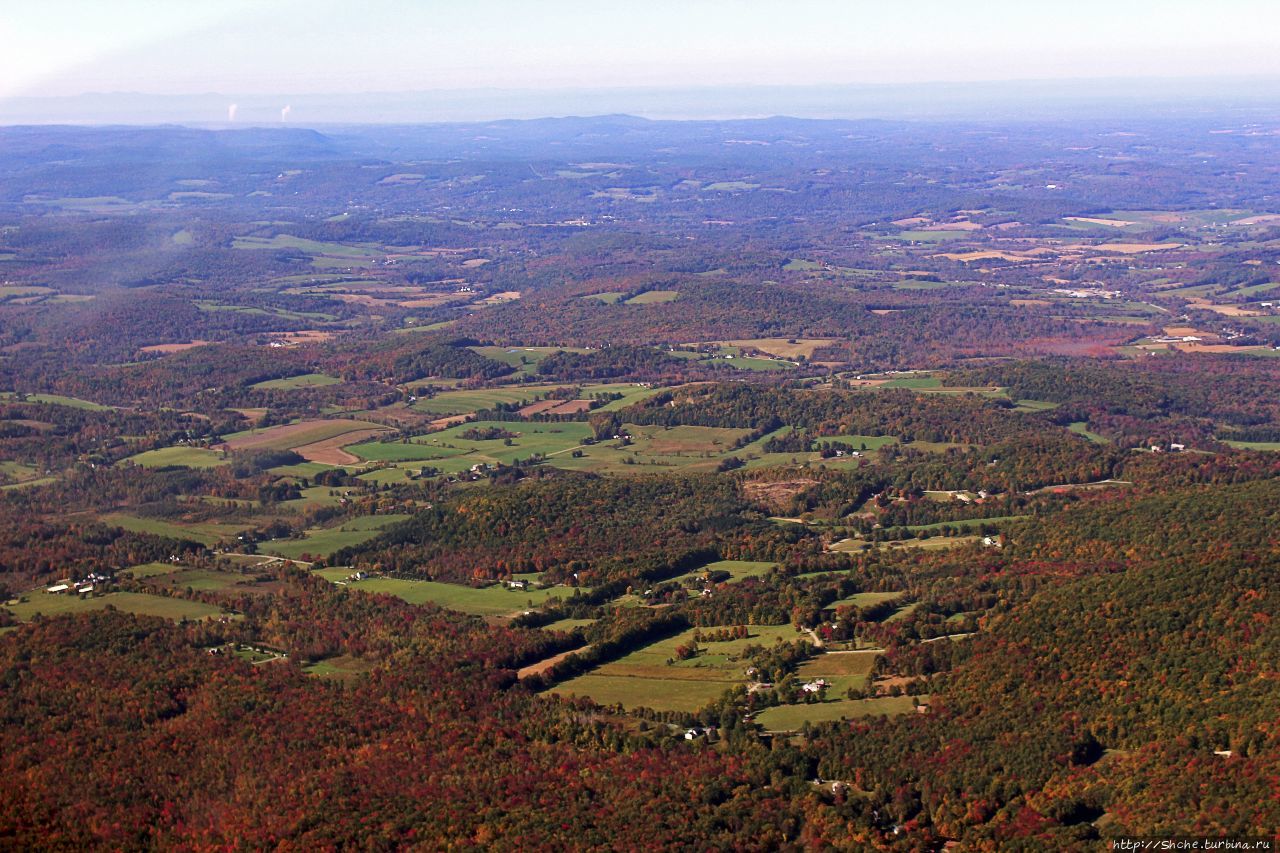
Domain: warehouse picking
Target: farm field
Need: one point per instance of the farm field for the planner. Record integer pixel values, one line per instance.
(305, 380)
(738, 569)
(531, 437)
(295, 435)
(653, 297)
(645, 679)
(494, 600)
(200, 580)
(177, 609)
(788, 348)
(842, 670)
(1255, 445)
(461, 402)
(323, 542)
(790, 718)
(286, 241)
(340, 668)
(57, 400)
(866, 599)
(206, 533)
(180, 456)
(1082, 428)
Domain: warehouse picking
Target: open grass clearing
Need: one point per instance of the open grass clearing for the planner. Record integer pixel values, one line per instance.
(653, 297)
(340, 668)
(643, 678)
(311, 247)
(55, 400)
(864, 600)
(1255, 445)
(530, 437)
(181, 457)
(206, 533)
(1082, 428)
(305, 380)
(294, 435)
(142, 604)
(791, 718)
(324, 541)
(495, 600)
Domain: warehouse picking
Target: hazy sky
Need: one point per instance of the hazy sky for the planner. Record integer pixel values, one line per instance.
(60, 47)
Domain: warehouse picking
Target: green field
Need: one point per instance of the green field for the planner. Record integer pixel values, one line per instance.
(531, 437)
(651, 297)
(150, 570)
(462, 402)
(340, 668)
(915, 382)
(185, 457)
(58, 400)
(311, 247)
(790, 718)
(142, 604)
(494, 600)
(731, 186)
(656, 693)
(301, 469)
(568, 624)
(645, 679)
(200, 580)
(306, 380)
(297, 434)
(18, 472)
(925, 236)
(1254, 445)
(842, 670)
(865, 599)
(315, 496)
(738, 569)
(525, 359)
(1082, 428)
(323, 542)
(206, 533)
(609, 297)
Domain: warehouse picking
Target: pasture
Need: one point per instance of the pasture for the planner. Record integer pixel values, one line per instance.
(179, 457)
(294, 435)
(177, 609)
(305, 380)
(865, 599)
(643, 678)
(495, 600)
(206, 532)
(340, 668)
(791, 718)
(310, 247)
(842, 670)
(322, 542)
(653, 297)
(530, 437)
(56, 400)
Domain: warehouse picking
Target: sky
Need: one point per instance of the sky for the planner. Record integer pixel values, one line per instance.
(69, 47)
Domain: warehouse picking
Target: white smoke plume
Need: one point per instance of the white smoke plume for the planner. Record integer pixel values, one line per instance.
(231, 112)
(284, 113)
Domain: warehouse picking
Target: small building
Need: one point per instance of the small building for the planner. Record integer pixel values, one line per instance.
(58, 589)
(517, 584)
(1175, 448)
(815, 686)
